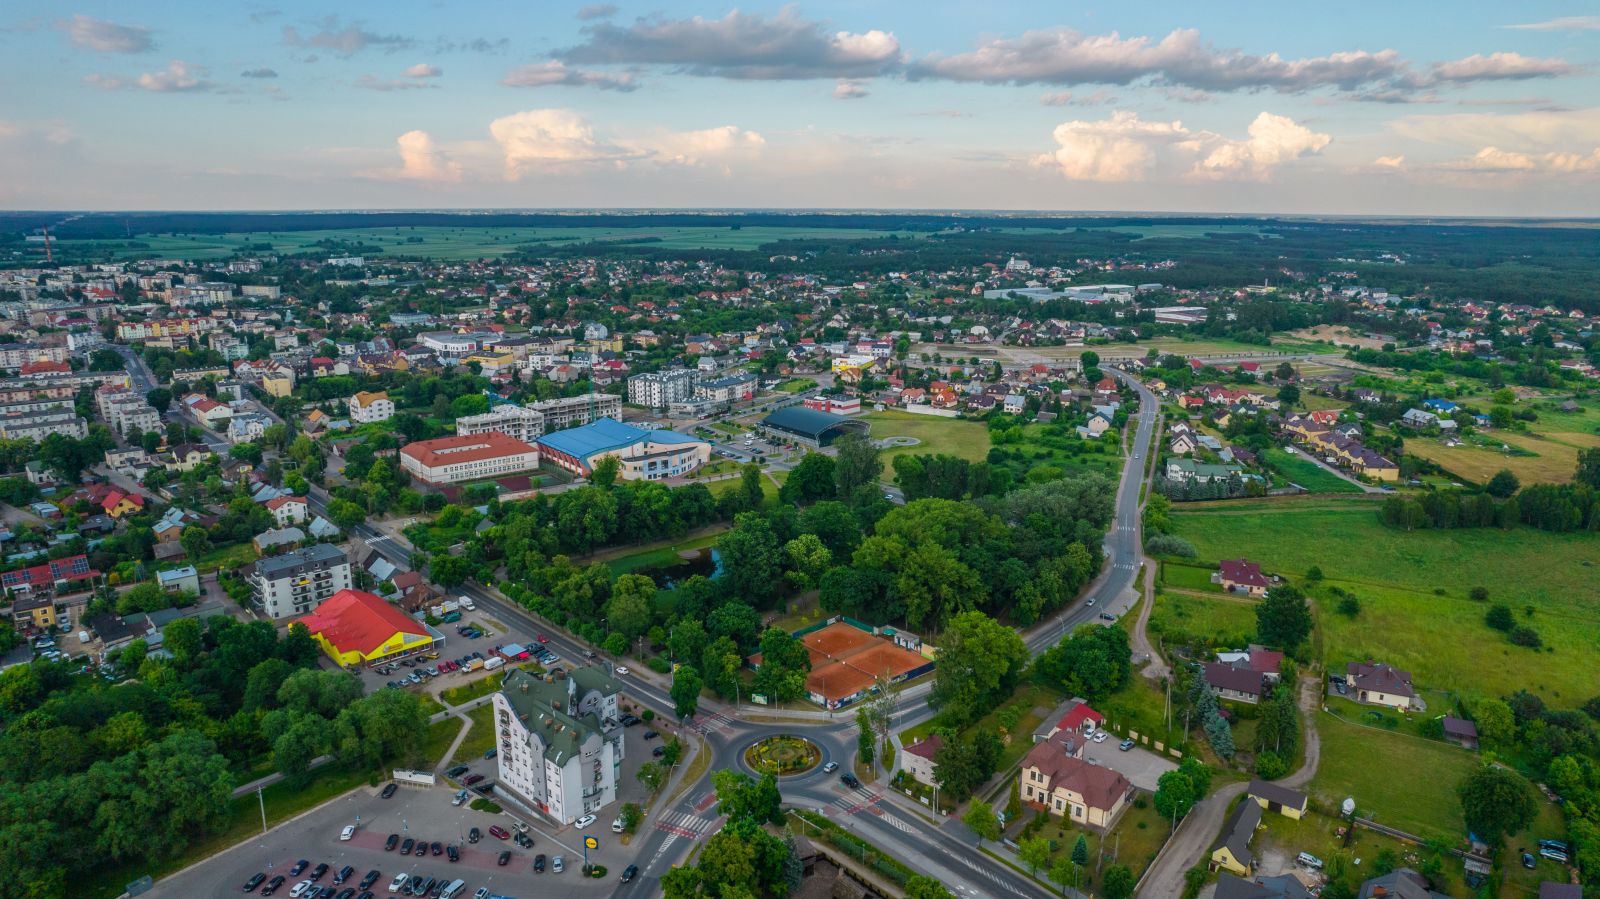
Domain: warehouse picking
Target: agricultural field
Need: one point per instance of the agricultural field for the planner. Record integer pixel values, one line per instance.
(1308, 474)
(1413, 588)
(445, 243)
(952, 436)
(1548, 457)
(1155, 231)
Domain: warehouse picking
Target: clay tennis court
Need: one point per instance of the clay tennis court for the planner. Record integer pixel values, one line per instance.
(846, 661)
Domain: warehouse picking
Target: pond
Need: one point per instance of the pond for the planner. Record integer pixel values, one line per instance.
(705, 562)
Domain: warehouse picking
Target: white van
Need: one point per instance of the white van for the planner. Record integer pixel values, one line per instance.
(492, 664)
(466, 603)
(454, 889)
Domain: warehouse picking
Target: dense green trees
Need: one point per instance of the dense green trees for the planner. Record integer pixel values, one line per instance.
(979, 662)
(1092, 662)
(1496, 802)
(1283, 619)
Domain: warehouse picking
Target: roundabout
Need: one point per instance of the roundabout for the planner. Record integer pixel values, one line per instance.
(782, 755)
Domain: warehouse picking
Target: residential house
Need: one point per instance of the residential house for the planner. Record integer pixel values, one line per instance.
(288, 510)
(368, 407)
(1401, 883)
(1055, 779)
(269, 540)
(1257, 658)
(1237, 684)
(1282, 886)
(917, 759)
(1416, 418)
(180, 580)
(1074, 717)
(1189, 470)
(1375, 683)
(33, 612)
(1241, 576)
(1231, 852)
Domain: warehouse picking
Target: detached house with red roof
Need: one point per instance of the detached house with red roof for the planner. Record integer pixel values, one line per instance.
(917, 759)
(1056, 779)
(288, 510)
(358, 628)
(1241, 576)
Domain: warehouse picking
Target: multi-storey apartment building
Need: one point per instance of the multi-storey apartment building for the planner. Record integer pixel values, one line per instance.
(560, 743)
(296, 582)
(660, 389)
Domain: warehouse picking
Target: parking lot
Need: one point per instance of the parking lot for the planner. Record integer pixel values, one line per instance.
(417, 813)
(495, 633)
(1140, 766)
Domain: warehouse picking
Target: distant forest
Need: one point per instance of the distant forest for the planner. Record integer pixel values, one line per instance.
(1519, 262)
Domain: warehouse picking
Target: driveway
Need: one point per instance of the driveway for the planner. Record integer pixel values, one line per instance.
(1140, 766)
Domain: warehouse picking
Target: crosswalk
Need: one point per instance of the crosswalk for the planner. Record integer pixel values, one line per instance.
(682, 824)
(856, 801)
(712, 721)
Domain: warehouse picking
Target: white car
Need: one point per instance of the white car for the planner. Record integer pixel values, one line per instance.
(583, 822)
(300, 889)
(348, 832)
(558, 864)
(622, 670)
(1099, 736)
(482, 893)
(398, 882)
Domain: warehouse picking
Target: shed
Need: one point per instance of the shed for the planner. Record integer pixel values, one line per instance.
(1461, 732)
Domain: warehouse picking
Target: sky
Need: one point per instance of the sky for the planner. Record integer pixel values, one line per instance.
(1418, 107)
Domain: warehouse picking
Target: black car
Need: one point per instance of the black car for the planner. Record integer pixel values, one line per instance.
(272, 885)
(457, 771)
(629, 720)
(629, 873)
(393, 841)
(343, 875)
(438, 848)
(370, 879)
(365, 894)
(523, 840)
(650, 735)
(538, 863)
(346, 893)
(251, 884)
(318, 871)
(505, 858)
(658, 752)
(474, 835)
(388, 791)
(850, 780)
(453, 853)
(405, 848)
(299, 866)
(1528, 860)
(422, 847)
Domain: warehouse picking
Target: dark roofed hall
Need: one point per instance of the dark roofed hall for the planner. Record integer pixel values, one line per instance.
(813, 426)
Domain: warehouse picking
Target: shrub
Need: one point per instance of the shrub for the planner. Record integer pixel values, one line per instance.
(1499, 617)
(1349, 605)
(1168, 545)
(1522, 635)
(1479, 594)
(1271, 766)
(1314, 573)
(648, 715)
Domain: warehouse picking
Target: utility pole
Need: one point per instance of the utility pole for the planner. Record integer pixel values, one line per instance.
(261, 798)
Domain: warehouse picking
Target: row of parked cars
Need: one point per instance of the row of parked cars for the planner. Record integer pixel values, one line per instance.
(308, 888)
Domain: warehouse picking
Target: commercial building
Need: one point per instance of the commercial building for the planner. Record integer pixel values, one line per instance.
(451, 460)
(560, 744)
(644, 454)
(834, 405)
(811, 427)
(369, 407)
(660, 389)
(293, 583)
(355, 628)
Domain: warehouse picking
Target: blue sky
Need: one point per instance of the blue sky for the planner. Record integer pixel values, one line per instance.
(1357, 108)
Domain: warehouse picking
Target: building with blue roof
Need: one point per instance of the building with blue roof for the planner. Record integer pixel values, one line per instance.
(644, 454)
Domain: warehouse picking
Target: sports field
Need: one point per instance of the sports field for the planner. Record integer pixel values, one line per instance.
(1414, 589)
(442, 243)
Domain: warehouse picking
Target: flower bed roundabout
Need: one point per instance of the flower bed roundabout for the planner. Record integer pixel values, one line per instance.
(783, 755)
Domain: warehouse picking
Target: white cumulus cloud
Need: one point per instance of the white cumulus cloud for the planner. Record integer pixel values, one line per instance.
(423, 70)
(1121, 148)
(177, 77)
(422, 160)
(1270, 141)
(555, 73)
(848, 89)
(538, 141)
(1128, 148)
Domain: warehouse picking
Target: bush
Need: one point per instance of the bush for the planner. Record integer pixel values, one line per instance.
(1522, 635)
(1168, 545)
(1479, 594)
(1314, 573)
(1271, 766)
(648, 715)
(1349, 605)
(659, 665)
(1499, 617)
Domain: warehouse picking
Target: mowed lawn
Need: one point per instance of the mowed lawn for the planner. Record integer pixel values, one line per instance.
(1403, 781)
(952, 436)
(1222, 621)
(1439, 637)
(1308, 474)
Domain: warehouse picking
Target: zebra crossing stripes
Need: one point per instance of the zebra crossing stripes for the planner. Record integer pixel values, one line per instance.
(681, 824)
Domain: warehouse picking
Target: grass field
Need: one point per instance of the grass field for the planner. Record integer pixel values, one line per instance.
(664, 556)
(1396, 792)
(1308, 474)
(447, 243)
(483, 686)
(478, 740)
(1538, 457)
(1413, 587)
(1223, 622)
(796, 385)
(966, 439)
(1150, 232)
(228, 558)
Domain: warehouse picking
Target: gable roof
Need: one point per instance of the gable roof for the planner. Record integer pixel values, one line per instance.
(355, 620)
(1271, 792)
(924, 749)
(1237, 831)
(1381, 678)
(1283, 886)
(1242, 571)
(1226, 677)
(1099, 786)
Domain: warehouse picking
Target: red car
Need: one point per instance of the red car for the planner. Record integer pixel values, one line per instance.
(443, 667)
(499, 833)
(473, 779)
(543, 639)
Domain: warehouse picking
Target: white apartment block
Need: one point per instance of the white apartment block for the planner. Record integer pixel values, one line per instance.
(660, 389)
(16, 355)
(516, 422)
(124, 411)
(560, 744)
(296, 582)
(573, 411)
(39, 425)
(451, 460)
(369, 407)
